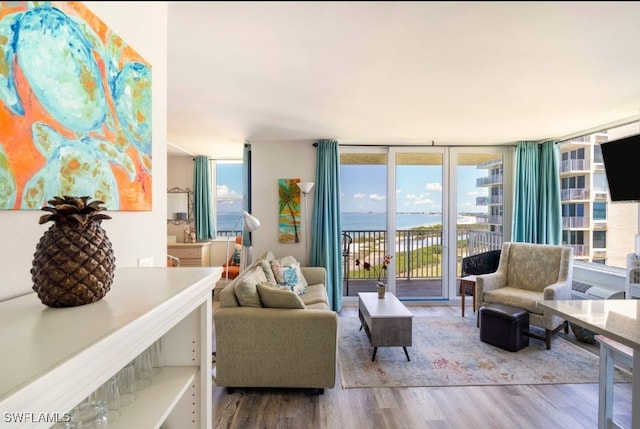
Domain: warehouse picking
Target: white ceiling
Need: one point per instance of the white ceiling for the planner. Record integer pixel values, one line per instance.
(455, 73)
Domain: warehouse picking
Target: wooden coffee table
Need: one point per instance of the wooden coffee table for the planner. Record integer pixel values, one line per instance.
(386, 321)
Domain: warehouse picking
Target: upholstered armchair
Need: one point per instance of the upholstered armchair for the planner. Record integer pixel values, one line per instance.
(528, 273)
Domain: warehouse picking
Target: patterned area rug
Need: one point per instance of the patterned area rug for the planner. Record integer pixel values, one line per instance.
(448, 352)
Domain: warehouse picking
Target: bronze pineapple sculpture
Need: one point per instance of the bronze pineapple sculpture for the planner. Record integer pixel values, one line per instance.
(74, 262)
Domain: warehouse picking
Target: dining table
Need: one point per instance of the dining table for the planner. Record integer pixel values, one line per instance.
(618, 319)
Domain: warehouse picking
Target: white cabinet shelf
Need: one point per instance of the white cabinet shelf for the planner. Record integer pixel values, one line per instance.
(53, 358)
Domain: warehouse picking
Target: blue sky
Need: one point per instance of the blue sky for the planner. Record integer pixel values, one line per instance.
(363, 188)
(229, 183)
(419, 188)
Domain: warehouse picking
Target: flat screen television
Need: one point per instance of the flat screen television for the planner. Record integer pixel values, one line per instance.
(621, 164)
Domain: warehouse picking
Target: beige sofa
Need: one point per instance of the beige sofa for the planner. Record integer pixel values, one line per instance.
(260, 345)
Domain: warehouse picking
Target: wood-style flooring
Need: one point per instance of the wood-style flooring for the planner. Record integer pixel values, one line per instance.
(562, 406)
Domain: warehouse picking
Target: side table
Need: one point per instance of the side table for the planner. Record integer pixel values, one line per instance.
(468, 287)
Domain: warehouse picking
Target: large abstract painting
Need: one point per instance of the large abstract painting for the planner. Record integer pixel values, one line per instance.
(75, 109)
(289, 228)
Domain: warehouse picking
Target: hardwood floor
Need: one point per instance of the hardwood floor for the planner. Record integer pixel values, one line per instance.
(563, 406)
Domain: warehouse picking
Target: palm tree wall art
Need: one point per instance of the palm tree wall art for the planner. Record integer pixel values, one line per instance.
(289, 227)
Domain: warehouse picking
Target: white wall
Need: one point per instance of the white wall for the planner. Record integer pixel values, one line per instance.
(132, 234)
(272, 161)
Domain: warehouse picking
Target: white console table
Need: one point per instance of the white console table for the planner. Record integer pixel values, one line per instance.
(53, 358)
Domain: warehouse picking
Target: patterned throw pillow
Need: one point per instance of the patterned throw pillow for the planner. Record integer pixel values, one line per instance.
(235, 259)
(289, 275)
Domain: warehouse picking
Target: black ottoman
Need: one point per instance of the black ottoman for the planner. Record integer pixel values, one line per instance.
(504, 326)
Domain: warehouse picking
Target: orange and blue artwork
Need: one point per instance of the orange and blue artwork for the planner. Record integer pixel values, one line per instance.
(289, 227)
(75, 109)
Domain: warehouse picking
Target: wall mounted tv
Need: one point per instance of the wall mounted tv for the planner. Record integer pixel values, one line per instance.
(621, 163)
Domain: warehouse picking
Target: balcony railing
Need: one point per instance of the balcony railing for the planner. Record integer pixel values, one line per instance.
(418, 252)
(492, 199)
(569, 165)
(574, 194)
(489, 180)
(575, 222)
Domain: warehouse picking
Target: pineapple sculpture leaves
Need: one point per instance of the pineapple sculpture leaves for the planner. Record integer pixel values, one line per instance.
(74, 262)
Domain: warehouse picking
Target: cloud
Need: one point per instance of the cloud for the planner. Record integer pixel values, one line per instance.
(473, 193)
(422, 201)
(358, 196)
(377, 197)
(223, 190)
(433, 187)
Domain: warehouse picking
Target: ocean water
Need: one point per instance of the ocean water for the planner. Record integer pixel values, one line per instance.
(357, 221)
(378, 221)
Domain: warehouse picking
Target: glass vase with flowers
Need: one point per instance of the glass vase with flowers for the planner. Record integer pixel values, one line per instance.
(378, 271)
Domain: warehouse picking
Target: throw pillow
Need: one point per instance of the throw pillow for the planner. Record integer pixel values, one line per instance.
(274, 296)
(235, 259)
(289, 275)
(246, 289)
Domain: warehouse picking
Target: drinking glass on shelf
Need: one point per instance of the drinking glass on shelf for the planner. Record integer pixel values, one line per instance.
(127, 384)
(90, 414)
(109, 392)
(142, 364)
(155, 353)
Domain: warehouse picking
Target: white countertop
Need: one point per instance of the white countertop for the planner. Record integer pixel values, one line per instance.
(618, 319)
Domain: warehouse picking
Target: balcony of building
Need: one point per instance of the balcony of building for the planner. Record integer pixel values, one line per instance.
(574, 166)
(490, 200)
(575, 222)
(574, 194)
(494, 179)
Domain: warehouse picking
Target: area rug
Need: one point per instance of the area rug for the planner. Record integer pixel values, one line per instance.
(447, 351)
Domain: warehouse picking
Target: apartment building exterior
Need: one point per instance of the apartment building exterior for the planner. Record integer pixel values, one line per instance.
(598, 230)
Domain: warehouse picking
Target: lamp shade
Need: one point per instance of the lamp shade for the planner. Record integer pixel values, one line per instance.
(251, 223)
(305, 187)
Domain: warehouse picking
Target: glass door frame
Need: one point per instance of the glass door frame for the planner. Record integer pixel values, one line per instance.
(392, 207)
(508, 156)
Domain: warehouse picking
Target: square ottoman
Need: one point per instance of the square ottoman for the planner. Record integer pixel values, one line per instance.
(504, 326)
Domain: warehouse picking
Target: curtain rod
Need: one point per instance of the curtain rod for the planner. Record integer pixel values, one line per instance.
(421, 146)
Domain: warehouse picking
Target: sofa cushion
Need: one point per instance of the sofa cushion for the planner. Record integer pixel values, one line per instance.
(289, 274)
(315, 294)
(246, 287)
(274, 296)
(318, 306)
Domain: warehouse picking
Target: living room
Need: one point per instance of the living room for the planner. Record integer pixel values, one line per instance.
(142, 234)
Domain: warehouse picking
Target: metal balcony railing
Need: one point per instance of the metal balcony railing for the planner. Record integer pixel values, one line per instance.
(418, 252)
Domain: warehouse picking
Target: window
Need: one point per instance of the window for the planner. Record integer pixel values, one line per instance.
(599, 239)
(228, 196)
(599, 211)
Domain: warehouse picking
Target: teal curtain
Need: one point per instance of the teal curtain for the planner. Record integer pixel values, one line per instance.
(203, 210)
(549, 204)
(536, 208)
(326, 231)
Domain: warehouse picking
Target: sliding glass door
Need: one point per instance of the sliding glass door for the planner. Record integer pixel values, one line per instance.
(428, 207)
(418, 221)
